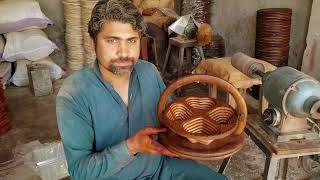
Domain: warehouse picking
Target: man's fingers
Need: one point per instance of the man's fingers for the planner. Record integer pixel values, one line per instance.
(168, 153)
(151, 145)
(157, 146)
(162, 150)
(152, 131)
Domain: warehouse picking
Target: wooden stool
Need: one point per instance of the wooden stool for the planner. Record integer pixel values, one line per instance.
(181, 43)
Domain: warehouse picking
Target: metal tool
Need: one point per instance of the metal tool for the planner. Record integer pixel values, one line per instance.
(290, 100)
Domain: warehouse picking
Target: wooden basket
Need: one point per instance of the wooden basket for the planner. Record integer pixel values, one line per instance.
(213, 128)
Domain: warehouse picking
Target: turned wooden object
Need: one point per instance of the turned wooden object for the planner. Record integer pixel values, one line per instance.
(199, 119)
(202, 127)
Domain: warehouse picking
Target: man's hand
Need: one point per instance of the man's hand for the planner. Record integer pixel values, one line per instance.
(142, 142)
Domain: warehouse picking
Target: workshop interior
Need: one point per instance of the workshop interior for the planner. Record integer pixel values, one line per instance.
(242, 83)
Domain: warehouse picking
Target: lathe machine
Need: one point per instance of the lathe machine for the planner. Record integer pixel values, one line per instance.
(288, 123)
(289, 100)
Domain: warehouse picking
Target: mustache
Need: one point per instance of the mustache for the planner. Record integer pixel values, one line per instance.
(122, 59)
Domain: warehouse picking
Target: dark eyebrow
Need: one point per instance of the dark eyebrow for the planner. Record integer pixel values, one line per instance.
(132, 38)
(118, 38)
(111, 37)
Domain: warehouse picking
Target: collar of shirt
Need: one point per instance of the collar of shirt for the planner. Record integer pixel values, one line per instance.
(132, 85)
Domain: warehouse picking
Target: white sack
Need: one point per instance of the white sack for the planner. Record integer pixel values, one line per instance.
(2, 44)
(32, 44)
(20, 77)
(18, 15)
(56, 71)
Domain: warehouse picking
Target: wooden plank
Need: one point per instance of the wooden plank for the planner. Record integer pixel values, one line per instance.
(182, 42)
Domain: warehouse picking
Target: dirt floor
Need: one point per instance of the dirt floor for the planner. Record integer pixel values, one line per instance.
(33, 118)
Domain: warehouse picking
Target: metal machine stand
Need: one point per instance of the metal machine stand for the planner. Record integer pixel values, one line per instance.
(277, 154)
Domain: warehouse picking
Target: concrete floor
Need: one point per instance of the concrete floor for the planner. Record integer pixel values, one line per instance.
(33, 118)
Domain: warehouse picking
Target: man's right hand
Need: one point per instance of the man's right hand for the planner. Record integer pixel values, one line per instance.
(142, 142)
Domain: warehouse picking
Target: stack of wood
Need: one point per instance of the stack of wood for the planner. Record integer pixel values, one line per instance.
(73, 35)
(273, 35)
(200, 9)
(86, 9)
(5, 124)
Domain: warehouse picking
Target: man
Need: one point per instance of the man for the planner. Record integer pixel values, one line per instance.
(107, 112)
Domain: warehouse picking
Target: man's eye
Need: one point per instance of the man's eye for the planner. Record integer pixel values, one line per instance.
(132, 41)
(112, 40)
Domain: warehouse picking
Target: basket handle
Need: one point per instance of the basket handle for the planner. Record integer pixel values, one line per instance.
(205, 79)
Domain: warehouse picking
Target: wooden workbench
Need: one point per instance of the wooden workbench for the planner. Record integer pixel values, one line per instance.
(277, 154)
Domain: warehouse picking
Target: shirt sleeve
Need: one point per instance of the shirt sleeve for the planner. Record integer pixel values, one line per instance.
(77, 133)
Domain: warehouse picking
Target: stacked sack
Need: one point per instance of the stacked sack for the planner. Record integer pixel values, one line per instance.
(21, 23)
(22, 42)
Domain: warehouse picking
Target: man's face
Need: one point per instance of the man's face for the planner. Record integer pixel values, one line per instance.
(117, 47)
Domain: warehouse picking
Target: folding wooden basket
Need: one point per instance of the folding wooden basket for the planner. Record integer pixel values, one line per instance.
(202, 127)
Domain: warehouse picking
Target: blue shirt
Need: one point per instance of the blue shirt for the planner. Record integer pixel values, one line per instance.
(94, 123)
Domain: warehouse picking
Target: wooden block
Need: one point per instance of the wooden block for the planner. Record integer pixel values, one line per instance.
(39, 79)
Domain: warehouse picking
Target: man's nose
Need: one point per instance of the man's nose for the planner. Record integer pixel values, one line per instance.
(123, 50)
